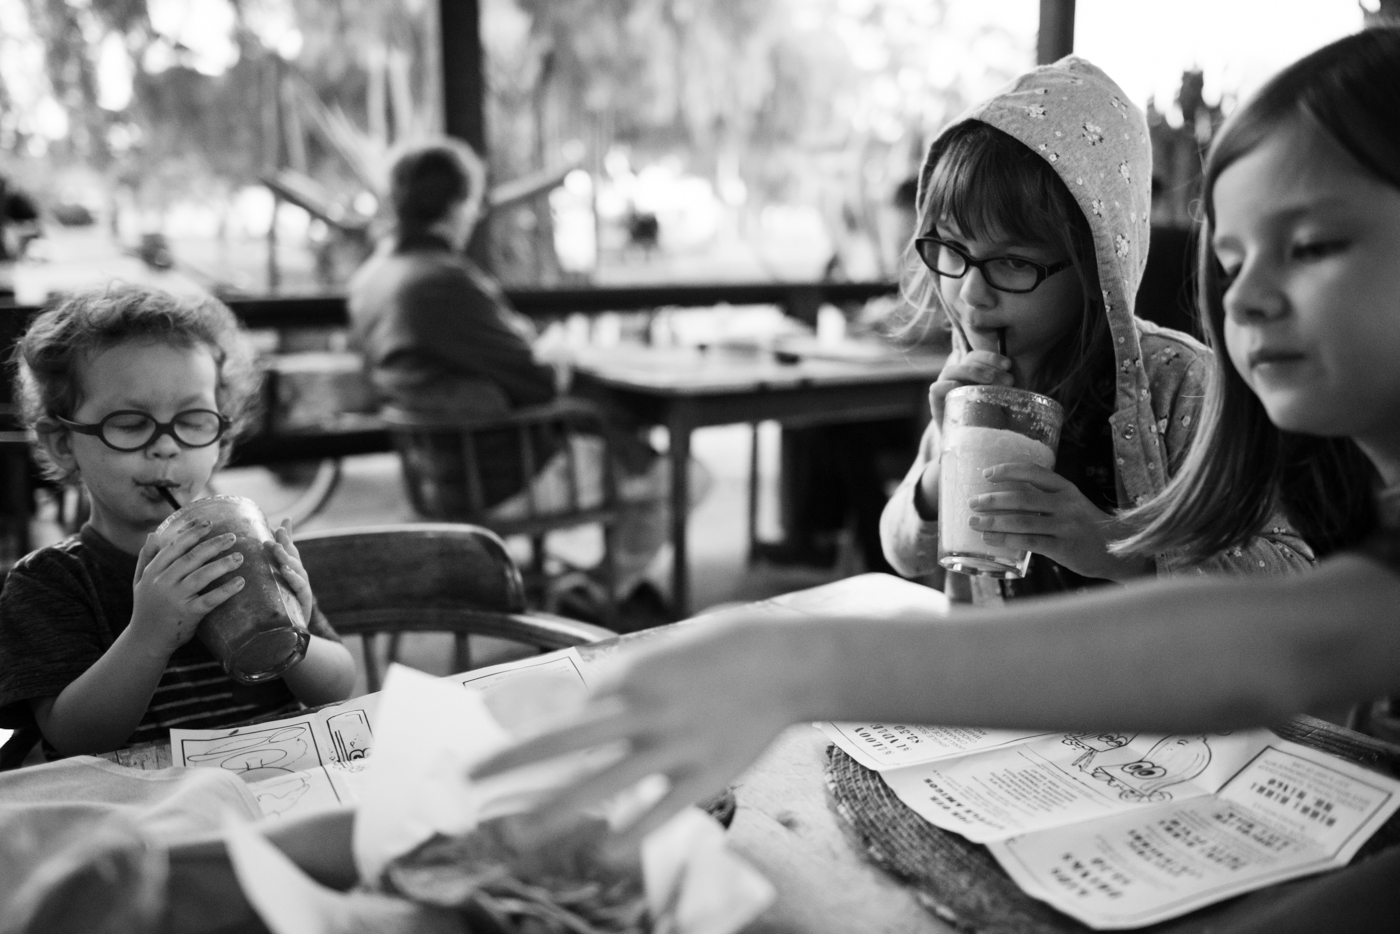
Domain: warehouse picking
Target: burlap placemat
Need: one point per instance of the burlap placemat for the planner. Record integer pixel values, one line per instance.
(964, 886)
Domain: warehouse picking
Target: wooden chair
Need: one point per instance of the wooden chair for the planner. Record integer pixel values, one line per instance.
(432, 577)
(459, 469)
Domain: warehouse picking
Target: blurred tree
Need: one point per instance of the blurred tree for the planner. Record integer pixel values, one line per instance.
(823, 102)
(816, 101)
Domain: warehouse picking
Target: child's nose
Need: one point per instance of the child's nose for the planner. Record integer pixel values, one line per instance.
(164, 446)
(1254, 295)
(975, 290)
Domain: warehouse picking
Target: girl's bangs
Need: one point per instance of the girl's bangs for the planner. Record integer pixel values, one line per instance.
(984, 185)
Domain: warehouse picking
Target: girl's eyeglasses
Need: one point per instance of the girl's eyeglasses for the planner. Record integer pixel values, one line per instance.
(1003, 273)
(129, 430)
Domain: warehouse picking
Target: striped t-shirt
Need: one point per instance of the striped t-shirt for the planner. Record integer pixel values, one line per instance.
(63, 607)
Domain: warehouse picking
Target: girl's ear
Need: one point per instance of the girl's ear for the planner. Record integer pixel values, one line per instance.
(57, 442)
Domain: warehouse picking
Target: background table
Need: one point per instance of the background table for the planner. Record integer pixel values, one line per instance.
(687, 388)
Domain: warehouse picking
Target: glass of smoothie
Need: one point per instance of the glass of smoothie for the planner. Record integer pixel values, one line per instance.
(984, 426)
(259, 632)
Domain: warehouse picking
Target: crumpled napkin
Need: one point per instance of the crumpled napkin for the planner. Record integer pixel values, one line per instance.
(429, 732)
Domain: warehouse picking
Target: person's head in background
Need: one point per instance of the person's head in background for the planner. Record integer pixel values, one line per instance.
(1300, 296)
(988, 195)
(437, 188)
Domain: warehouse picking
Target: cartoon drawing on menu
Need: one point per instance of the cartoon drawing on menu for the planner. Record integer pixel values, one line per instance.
(351, 737)
(277, 798)
(1173, 761)
(257, 754)
(1093, 744)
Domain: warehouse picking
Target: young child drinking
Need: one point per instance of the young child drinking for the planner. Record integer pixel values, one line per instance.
(1301, 290)
(1034, 217)
(132, 392)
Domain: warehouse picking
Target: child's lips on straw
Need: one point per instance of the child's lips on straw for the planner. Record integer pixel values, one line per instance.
(164, 489)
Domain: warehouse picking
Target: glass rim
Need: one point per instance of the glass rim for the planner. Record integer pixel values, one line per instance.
(189, 507)
(1007, 394)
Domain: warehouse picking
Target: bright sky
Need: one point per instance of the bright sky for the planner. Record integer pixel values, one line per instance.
(1146, 44)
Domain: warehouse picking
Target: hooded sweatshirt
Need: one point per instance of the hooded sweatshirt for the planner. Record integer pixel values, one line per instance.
(1074, 117)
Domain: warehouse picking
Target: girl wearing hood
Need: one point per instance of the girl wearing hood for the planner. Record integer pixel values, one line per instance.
(1033, 228)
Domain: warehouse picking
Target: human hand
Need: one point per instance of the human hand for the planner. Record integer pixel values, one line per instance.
(293, 571)
(167, 604)
(968, 368)
(697, 708)
(1047, 514)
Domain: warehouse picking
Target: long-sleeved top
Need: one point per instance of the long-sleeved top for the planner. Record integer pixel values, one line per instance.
(425, 316)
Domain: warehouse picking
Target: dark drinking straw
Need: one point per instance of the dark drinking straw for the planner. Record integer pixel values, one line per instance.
(1001, 341)
(169, 497)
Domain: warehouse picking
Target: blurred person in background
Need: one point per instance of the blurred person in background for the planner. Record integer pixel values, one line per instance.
(440, 338)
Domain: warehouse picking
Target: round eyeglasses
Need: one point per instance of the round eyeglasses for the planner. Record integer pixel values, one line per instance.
(1003, 273)
(129, 430)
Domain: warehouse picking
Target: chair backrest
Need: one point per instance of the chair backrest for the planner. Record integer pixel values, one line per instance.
(462, 469)
(432, 577)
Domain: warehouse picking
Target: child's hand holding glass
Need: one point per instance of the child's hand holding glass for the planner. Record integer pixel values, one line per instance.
(293, 571)
(965, 367)
(167, 600)
(1041, 511)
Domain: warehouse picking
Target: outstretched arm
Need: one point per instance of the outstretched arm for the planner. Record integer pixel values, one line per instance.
(1169, 655)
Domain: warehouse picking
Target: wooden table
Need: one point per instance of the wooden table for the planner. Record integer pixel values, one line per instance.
(783, 825)
(689, 388)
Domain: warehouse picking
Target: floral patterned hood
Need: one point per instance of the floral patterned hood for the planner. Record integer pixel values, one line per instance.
(1077, 119)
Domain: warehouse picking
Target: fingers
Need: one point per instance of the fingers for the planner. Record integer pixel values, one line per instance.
(984, 372)
(681, 795)
(1042, 478)
(283, 535)
(201, 555)
(183, 541)
(149, 549)
(608, 783)
(1027, 500)
(1040, 544)
(291, 569)
(294, 574)
(202, 605)
(206, 574)
(604, 726)
(1015, 523)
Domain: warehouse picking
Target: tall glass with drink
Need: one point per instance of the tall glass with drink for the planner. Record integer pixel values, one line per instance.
(259, 632)
(984, 426)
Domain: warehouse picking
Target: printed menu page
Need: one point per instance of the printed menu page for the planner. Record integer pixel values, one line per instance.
(1289, 812)
(883, 746)
(1122, 830)
(315, 760)
(1068, 778)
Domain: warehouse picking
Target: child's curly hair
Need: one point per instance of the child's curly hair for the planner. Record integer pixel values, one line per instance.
(48, 359)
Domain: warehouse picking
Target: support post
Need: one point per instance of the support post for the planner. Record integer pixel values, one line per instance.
(464, 89)
(1055, 39)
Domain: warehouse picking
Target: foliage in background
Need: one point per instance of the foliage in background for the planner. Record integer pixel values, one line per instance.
(817, 102)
